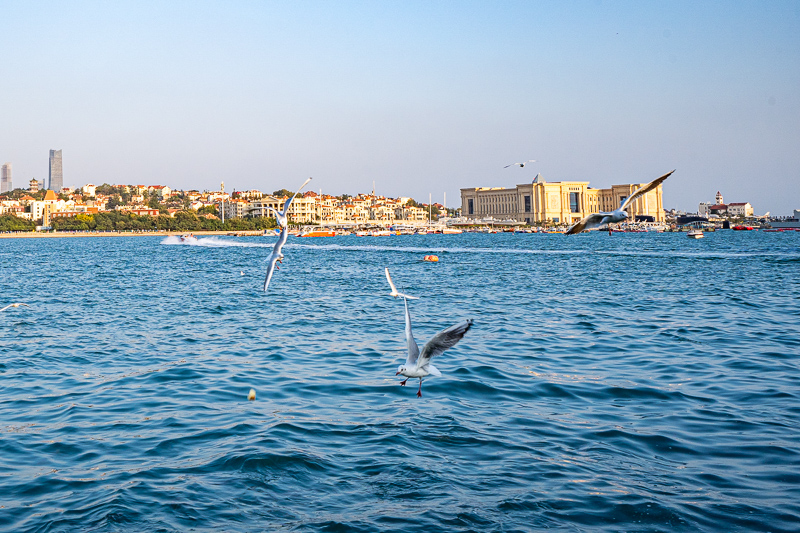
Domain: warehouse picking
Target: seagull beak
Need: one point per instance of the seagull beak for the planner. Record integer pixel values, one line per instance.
(397, 374)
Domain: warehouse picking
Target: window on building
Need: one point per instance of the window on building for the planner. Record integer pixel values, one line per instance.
(470, 207)
(574, 202)
(527, 203)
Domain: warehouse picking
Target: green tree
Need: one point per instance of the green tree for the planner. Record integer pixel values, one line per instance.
(11, 222)
(208, 210)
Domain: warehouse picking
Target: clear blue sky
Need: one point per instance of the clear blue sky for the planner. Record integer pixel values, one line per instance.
(420, 97)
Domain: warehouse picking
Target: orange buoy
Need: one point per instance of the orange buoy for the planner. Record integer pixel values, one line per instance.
(431, 258)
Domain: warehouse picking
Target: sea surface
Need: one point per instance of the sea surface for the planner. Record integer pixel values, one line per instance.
(632, 382)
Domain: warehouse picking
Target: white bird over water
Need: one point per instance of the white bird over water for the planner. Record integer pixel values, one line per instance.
(14, 305)
(280, 216)
(520, 165)
(394, 289)
(277, 256)
(418, 364)
(595, 220)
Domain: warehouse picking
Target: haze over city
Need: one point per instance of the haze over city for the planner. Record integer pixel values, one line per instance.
(418, 97)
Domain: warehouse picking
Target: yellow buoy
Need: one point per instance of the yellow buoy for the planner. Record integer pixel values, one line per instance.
(252, 395)
(431, 258)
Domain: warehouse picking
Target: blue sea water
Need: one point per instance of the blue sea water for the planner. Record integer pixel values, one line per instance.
(634, 382)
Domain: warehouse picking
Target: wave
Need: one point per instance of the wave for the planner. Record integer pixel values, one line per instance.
(213, 242)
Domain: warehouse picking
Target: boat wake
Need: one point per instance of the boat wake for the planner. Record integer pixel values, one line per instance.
(213, 242)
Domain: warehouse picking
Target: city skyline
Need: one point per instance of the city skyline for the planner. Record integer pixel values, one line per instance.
(421, 98)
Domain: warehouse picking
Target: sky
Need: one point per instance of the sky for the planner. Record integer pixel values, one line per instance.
(420, 97)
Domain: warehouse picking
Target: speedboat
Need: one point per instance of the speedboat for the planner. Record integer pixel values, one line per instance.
(695, 234)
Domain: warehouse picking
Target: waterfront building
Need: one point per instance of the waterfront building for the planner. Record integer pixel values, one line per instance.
(259, 207)
(236, 208)
(5, 178)
(559, 202)
(56, 177)
(44, 209)
(740, 209)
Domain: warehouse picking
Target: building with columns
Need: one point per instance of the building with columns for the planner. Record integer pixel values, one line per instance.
(558, 202)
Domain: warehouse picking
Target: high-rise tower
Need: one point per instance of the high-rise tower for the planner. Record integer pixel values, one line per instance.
(56, 179)
(5, 178)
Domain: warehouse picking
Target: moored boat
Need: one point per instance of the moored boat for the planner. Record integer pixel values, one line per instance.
(318, 233)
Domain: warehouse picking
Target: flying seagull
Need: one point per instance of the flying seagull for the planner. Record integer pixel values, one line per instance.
(418, 364)
(595, 220)
(277, 256)
(394, 289)
(14, 305)
(520, 165)
(280, 216)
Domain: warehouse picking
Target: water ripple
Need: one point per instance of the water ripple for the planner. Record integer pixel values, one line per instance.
(638, 382)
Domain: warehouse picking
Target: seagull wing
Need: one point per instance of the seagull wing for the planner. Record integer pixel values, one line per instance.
(394, 289)
(289, 201)
(275, 255)
(273, 258)
(391, 284)
(413, 349)
(591, 221)
(644, 190)
(441, 341)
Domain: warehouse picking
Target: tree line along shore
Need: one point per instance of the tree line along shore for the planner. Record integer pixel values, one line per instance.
(117, 221)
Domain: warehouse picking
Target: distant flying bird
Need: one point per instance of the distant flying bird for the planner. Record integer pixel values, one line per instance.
(280, 216)
(596, 220)
(520, 165)
(418, 364)
(14, 305)
(394, 289)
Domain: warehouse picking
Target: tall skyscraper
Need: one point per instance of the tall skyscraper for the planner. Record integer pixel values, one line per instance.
(5, 178)
(56, 179)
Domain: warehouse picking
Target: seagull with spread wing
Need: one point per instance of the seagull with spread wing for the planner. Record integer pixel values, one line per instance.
(14, 305)
(520, 165)
(394, 289)
(596, 220)
(280, 216)
(277, 256)
(418, 364)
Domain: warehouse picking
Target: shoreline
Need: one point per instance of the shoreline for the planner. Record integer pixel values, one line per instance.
(61, 234)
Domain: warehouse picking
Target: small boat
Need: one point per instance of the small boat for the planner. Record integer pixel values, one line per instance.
(318, 233)
(743, 228)
(188, 238)
(695, 234)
